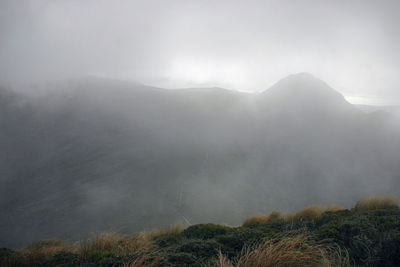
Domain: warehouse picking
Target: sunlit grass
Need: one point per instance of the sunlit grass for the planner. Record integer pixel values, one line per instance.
(311, 212)
(171, 229)
(377, 203)
(263, 219)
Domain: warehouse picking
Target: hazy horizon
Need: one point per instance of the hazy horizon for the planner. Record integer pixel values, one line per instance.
(246, 46)
(49, 86)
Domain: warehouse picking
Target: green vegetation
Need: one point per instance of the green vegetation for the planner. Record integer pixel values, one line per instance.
(366, 235)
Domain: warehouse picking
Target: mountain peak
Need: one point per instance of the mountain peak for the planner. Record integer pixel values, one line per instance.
(301, 75)
(304, 86)
(304, 91)
(302, 83)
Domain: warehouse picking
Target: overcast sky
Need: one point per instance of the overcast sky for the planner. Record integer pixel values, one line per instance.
(244, 45)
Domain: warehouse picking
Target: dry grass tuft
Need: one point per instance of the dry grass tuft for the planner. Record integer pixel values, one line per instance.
(221, 261)
(293, 251)
(39, 252)
(312, 212)
(169, 230)
(115, 243)
(263, 219)
(377, 203)
(139, 244)
(289, 251)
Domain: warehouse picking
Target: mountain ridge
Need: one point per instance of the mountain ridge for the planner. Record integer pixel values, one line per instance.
(89, 161)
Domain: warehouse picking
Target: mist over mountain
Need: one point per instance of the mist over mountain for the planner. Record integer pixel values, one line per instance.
(101, 154)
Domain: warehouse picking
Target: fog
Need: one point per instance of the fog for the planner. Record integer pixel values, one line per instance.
(241, 45)
(93, 138)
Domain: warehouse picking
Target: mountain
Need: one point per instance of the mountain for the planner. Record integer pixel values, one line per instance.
(304, 91)
(304, 88)
(97, 154)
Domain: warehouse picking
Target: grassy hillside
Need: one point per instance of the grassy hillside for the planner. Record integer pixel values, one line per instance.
(366, 235)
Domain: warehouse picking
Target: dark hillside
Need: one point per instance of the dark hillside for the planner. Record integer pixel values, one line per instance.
(101, 154)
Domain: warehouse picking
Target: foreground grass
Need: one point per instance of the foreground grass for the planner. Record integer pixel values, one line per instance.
(366, 235)
(294, 250)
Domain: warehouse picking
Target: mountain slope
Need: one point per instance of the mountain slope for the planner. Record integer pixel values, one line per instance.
(105, 154)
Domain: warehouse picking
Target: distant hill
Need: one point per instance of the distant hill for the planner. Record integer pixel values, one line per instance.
(96, 154)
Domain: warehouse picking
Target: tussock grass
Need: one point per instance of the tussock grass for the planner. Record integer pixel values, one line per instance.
(221, 261)
(139, 244)
(115, 243)
(312, 212)
(38, 252)
(290, 251)
(169, 230)
(293, 251)
(377, 203)
(126, 244)
(263, 219)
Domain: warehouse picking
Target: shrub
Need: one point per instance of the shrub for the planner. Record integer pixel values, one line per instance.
(377, 203)
(389, 254)
(181, 258)
(234, 241)
(371, 237)
(200, 248)
(165, 240)
(272, 217)
(206, 231)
